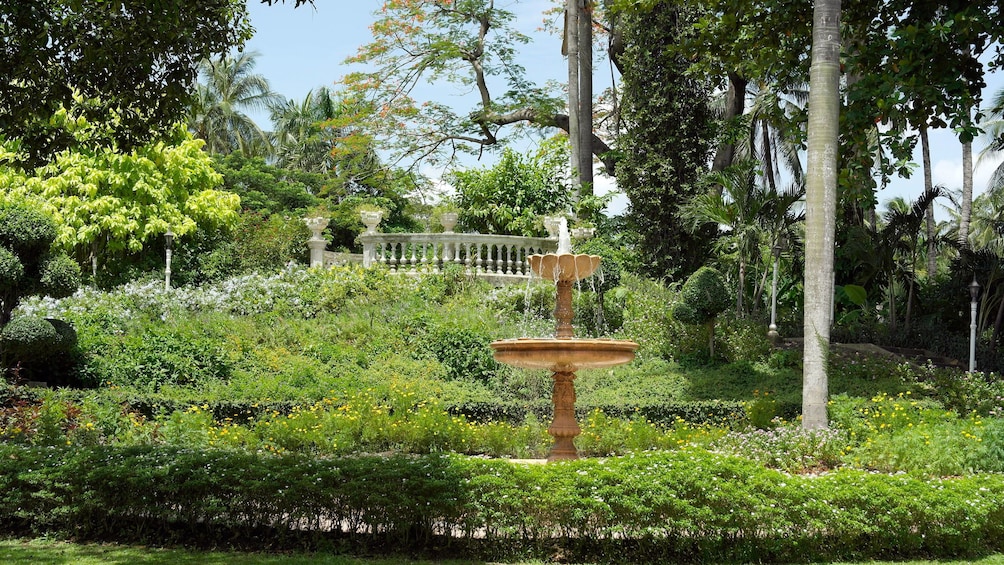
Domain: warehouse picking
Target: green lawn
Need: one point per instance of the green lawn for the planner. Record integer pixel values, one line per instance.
(44, 552)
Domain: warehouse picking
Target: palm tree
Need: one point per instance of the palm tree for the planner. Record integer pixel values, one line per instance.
(229, 88)
(753, 214)
(899, 246)
(993, 136)
(821, 208)
(302, 139)
(772, 133)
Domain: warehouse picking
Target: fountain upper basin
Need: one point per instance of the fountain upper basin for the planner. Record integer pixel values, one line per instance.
(564, 266)
(563, 354)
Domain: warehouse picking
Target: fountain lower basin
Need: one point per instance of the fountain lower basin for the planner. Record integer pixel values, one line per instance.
(563, 354)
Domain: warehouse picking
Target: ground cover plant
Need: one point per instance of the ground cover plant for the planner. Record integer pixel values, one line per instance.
(316, 368)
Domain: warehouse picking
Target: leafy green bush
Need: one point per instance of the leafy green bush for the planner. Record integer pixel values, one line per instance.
(742, 339)
(787, 448)
(161, 357)
(40, 349)
(28, 263)
(702, 298)
(686, 505)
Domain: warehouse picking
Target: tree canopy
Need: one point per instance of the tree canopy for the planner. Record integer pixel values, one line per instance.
(139, 58)
(120, 200)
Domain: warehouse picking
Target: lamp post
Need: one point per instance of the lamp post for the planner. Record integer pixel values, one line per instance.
(168, 246)
(974, 294)
(776, 249)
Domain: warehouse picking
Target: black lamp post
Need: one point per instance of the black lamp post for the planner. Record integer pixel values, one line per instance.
(168, 246)
(974, 294)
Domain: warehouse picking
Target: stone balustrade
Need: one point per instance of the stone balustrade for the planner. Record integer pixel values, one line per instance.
(497, 258)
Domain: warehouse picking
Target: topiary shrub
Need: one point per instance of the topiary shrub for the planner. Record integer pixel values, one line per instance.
(28, 264)
(37, 349)
(703, 297)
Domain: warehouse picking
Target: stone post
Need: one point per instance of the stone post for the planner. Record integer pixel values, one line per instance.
(316, 243)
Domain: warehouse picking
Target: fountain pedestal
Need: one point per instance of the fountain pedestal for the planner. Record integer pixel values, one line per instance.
(563, 355)
(564, 429)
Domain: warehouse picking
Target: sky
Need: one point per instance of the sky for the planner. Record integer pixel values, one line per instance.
(305, 48)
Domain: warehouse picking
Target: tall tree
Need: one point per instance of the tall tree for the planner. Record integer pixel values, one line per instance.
(139, 58)
(820, 208)
(666, 144)
(229, 88)
(468, 43)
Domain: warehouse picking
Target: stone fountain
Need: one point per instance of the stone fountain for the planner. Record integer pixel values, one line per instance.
(564, 354)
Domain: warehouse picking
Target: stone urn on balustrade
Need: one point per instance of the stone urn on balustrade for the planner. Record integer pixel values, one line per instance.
(316, 243)
(371, 219)
(449, 221)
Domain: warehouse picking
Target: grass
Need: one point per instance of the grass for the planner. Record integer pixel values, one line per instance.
(46, 552)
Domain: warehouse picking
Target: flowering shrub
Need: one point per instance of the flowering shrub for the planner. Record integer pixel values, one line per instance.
(899, 433)
(787, 448)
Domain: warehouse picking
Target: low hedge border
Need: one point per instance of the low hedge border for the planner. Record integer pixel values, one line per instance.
(655, 506)
(716, 412)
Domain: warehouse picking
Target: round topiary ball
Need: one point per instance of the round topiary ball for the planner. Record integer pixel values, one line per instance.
(39, 349)
(703, 297)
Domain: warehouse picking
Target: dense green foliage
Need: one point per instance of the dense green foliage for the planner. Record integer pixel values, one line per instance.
(139, 58)
(510, 197)
(666, 148)
(28, 263)
(702, 298)
(646, 507)
(36, 349)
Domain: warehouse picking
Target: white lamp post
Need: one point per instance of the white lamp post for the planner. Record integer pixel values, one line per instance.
(974, 294)
(168, 245)
(776, 250)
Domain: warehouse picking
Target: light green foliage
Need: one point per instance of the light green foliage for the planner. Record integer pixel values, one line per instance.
(100, 196)
(510, 197)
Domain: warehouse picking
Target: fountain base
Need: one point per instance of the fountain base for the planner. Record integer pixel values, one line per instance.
(563, 357)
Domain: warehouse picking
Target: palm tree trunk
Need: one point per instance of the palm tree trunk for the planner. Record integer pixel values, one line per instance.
(820, 208)
(585, 166)
(932, 244)
(760, 288)
(966, 206)
(892, 306)
(742, 288)
(571, 48)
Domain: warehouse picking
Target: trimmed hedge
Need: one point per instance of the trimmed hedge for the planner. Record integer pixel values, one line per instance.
(648, 507)
(716, 412)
